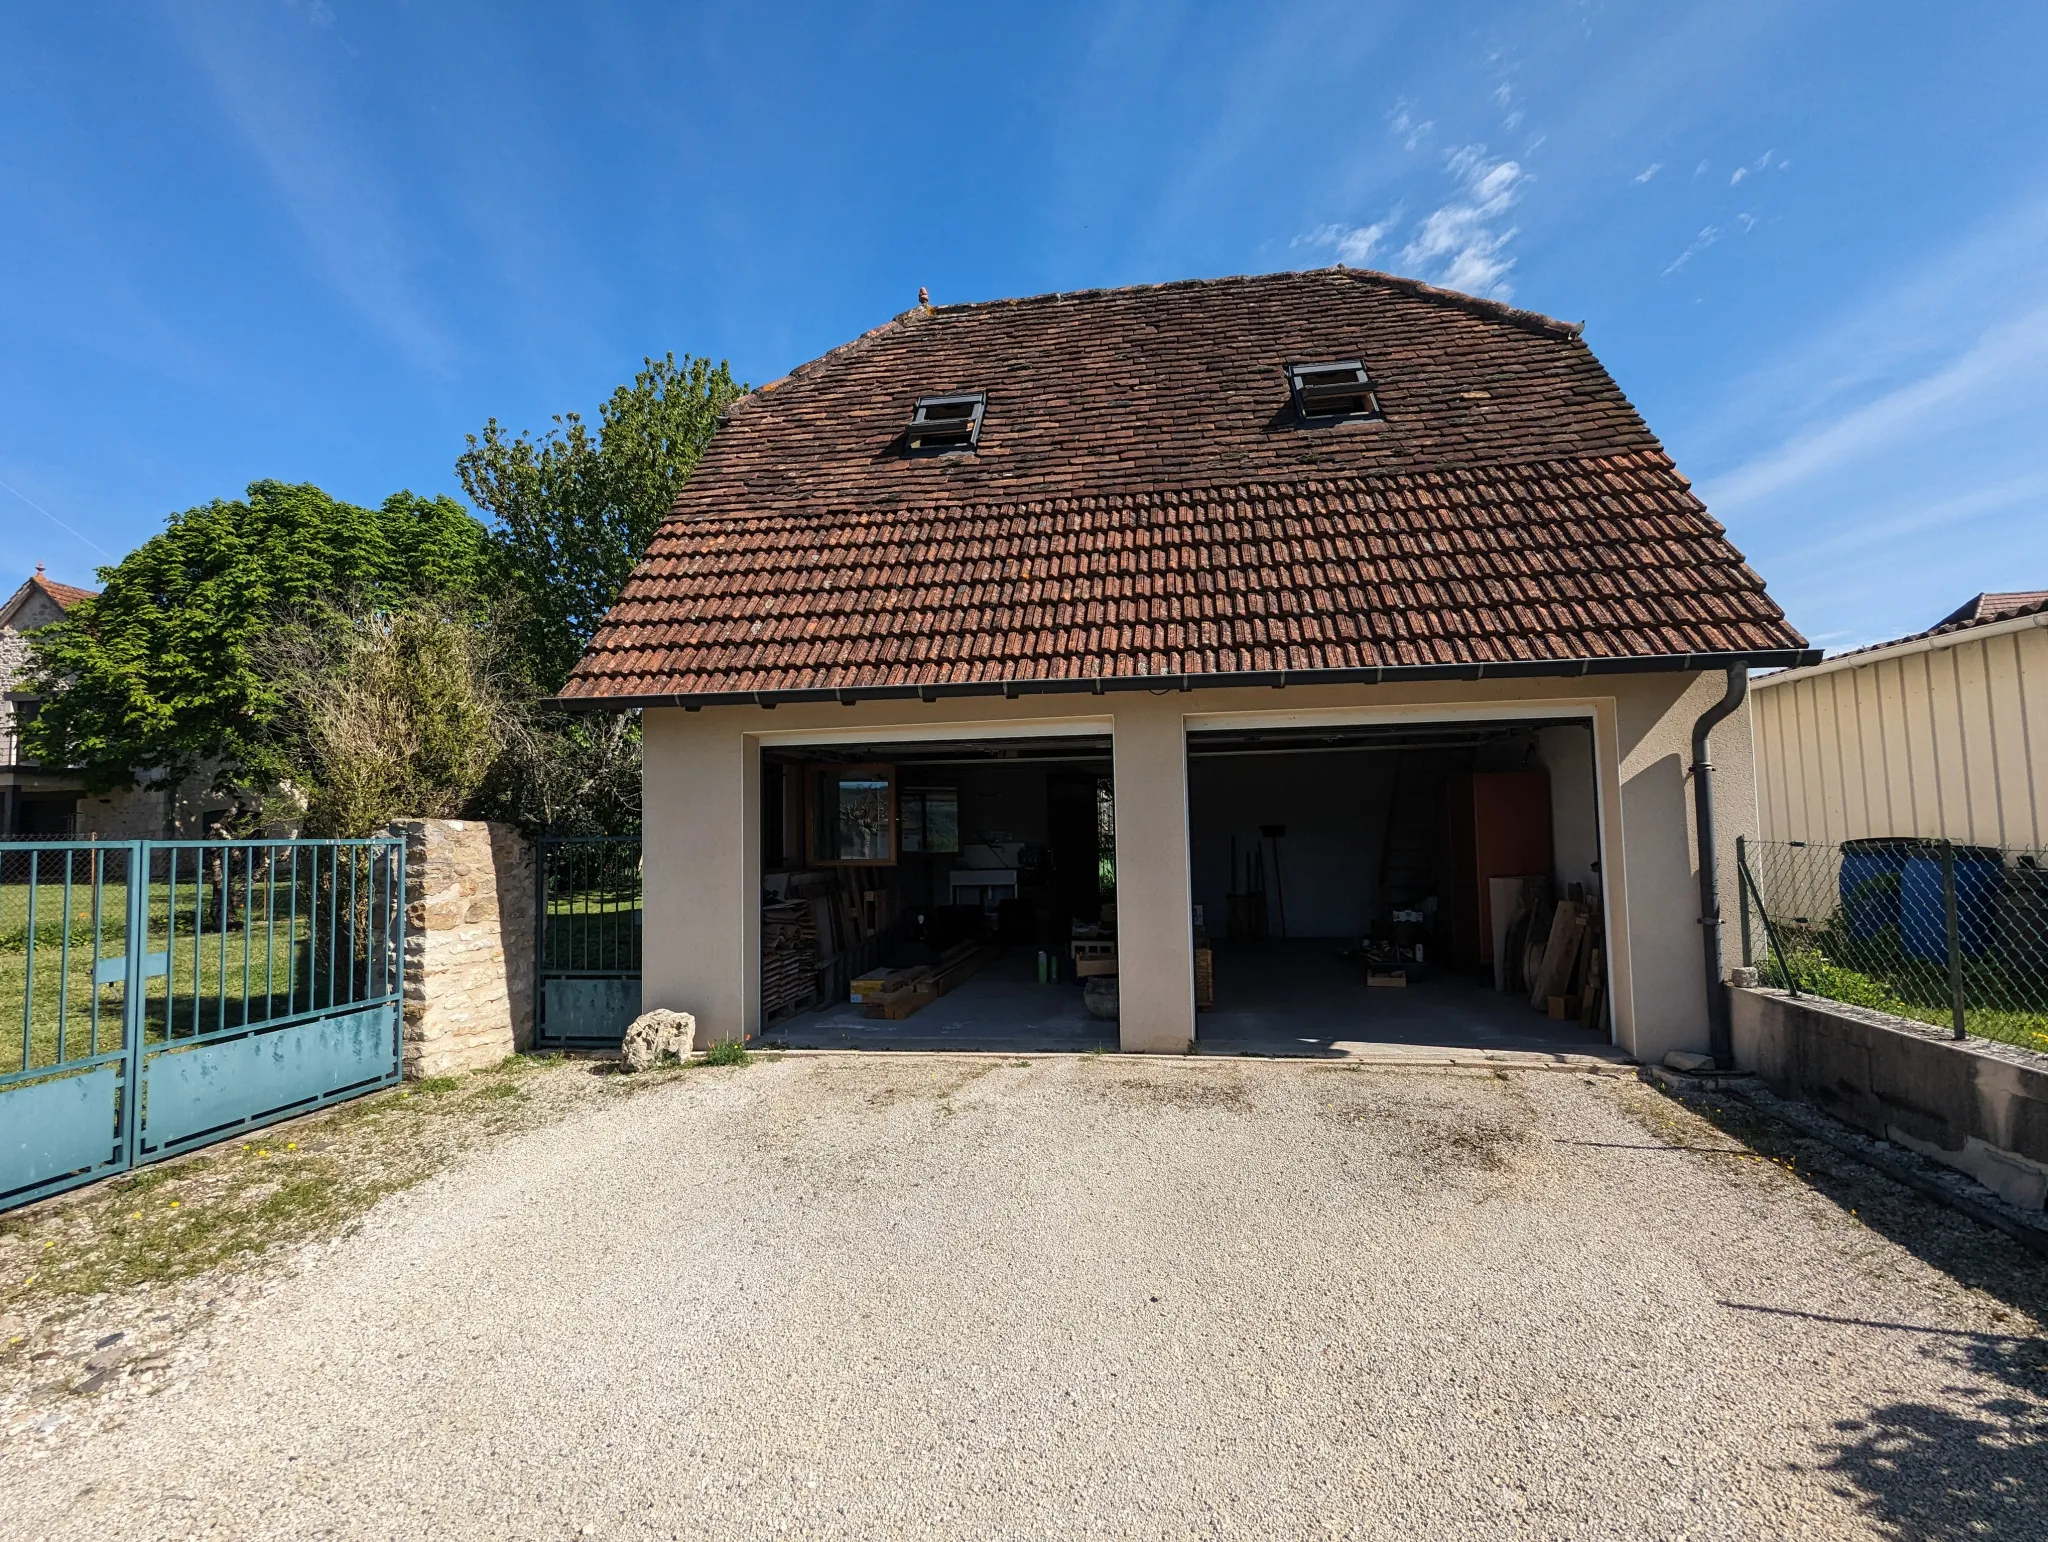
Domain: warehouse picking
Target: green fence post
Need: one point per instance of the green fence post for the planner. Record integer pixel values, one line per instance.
(1770, 930)
(1742, 893)
(134, 1028)
(1955, 952)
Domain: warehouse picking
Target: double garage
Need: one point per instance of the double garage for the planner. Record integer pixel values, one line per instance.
(1349, 878)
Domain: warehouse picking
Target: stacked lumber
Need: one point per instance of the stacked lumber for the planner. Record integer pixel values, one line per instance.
(789, 958)
(1570, 979)
(904, 991)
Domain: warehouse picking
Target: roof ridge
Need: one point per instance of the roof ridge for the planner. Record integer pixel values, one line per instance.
(830, 355)
(1478, 304)
(1535, 321)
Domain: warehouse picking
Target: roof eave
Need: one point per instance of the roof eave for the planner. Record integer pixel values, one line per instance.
(1924, 642)
(1278, 679)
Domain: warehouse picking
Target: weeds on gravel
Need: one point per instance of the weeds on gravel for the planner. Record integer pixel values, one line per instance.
(1958, 1246)
(728, 1052)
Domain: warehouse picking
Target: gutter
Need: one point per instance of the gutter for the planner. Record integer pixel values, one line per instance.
(1277, 679)
(1905, 648)
(1720, 1033)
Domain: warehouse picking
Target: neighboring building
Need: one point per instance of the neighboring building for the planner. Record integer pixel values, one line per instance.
(1385, 569)
(40, 802)
(35, 800)
(1941, 734)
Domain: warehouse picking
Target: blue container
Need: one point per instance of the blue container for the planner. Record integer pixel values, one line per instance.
(1923, 914)
(1872, 871)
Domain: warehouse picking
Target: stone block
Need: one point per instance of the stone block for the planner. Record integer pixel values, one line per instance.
(469, 947)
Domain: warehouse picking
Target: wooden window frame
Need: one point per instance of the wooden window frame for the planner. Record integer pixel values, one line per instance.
(814, 777)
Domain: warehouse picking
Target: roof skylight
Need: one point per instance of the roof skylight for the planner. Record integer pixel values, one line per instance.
(1330, 392)
(946, 422)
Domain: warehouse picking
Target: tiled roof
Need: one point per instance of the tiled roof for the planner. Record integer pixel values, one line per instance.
(1990, 607)
(1144, 503)
(66, 595)
(63, 596)
(1981, 611)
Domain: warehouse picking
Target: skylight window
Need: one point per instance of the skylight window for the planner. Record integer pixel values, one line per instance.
(1328, 393)
(946, 422)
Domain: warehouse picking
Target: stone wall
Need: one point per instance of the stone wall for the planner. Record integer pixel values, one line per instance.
(1976, 1105)
(468, 944)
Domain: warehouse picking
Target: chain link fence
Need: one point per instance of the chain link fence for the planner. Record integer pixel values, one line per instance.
(1943, 933)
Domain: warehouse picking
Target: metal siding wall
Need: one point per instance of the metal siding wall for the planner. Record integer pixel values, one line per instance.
(1944, 743)
(1917, 683)
(2030, 680)
(1770, 774)
(1979, 746)
(1898, 757)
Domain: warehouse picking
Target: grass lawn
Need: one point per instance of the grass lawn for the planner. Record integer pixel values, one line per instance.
(271, 959)
(1995, 1006)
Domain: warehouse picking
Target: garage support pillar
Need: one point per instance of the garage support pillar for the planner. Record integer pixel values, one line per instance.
(1154, 896)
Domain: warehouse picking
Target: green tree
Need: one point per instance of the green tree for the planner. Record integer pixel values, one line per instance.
(396, 715)
(574, 511)
(165, 670)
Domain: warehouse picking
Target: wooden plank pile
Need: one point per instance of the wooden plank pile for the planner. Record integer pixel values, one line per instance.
(789, 958)
(895, 994)
(1567, 970)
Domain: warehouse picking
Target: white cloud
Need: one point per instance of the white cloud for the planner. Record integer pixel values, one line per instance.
(1504, 98)
(1885, 462)
(1649, 171)
(1700, 170)
(1761, 163)
(1412, 130)
(1351, 243)
(1462, 244)
(2005, 352)
(1741, 225)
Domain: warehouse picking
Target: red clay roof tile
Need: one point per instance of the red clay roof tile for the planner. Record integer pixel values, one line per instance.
(1143, 503)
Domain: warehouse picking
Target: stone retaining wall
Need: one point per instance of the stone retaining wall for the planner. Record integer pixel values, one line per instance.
(468, 944)
(1978, 1106)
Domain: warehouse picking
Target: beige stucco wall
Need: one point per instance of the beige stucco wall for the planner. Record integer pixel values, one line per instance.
(1945, 739)
(702, 828)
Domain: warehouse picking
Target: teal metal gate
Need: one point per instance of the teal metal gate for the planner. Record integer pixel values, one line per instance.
(170, 994)
(587, 939)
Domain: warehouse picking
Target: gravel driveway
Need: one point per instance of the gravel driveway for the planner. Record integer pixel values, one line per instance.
(862, 1298)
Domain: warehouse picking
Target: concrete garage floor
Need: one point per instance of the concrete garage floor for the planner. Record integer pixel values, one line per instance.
(862, 1297)
(1302, 998)
(1000, 1007)
(1272, 998)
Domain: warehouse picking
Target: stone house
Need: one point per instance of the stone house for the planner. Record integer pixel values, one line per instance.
(49, 802)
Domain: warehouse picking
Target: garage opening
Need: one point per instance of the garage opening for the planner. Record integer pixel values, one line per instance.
(1418, 883)
(957, 894)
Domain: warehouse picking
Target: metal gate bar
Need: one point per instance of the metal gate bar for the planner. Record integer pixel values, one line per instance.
(587, 896)
(201, 1053)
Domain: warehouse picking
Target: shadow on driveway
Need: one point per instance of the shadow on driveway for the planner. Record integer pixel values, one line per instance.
(1978, 1468)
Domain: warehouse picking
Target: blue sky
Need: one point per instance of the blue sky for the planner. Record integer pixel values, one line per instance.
(323, 241)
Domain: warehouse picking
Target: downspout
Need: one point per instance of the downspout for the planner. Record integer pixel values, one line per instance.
(1720, 1037)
